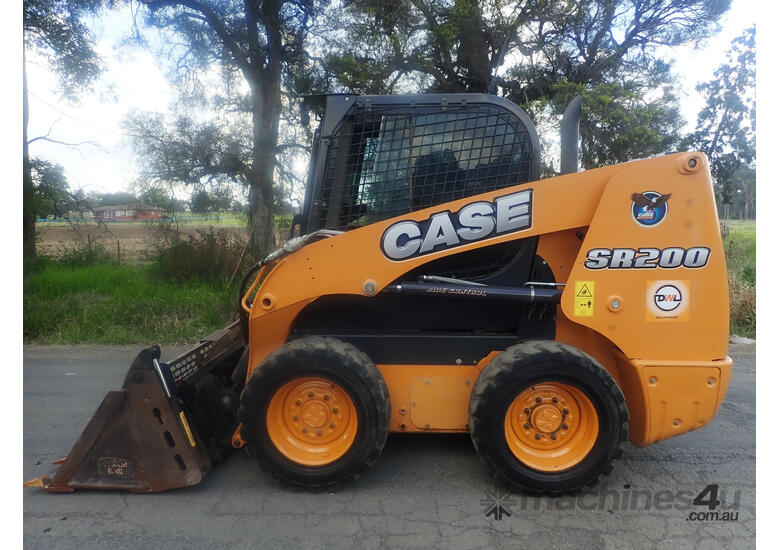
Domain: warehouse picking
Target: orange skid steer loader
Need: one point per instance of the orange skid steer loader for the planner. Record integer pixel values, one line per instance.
(437, 285)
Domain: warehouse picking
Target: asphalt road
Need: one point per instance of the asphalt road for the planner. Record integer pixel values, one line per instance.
(424, 492)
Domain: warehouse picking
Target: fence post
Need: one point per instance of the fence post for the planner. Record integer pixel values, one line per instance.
(117, 251)
(89, 242)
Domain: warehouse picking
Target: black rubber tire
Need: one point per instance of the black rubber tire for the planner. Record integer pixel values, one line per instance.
(345, 365)
(522, 366)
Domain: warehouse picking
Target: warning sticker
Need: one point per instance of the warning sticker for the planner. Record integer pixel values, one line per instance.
(584, 294)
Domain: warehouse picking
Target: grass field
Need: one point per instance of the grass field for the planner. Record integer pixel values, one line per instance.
(108, 303)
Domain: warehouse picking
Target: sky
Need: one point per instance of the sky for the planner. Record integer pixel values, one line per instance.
(134, 80)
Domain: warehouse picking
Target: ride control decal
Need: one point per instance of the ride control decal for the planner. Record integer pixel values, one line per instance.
(443, 230)
(667, 300)
(647, 258)
(584, 298)
(649, 208)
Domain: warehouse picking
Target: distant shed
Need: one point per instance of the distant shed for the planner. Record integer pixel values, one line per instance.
(128, 213)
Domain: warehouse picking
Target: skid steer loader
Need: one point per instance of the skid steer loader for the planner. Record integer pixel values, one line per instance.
(437, 285)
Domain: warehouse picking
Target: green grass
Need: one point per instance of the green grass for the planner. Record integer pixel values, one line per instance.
(119, 304)
(740, 247)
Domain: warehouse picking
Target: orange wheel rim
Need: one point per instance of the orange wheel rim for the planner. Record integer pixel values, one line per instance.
(312, 421)
(551, 426)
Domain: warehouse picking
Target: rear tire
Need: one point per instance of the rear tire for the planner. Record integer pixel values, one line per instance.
(315, 413)
(545, 417)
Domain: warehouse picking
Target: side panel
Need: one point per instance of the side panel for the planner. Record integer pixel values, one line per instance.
(681, 396)
(666, 281)
(429, 398)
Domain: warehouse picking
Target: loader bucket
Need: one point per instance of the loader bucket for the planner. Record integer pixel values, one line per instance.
(139, 440)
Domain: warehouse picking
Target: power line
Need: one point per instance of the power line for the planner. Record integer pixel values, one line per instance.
(63, 113)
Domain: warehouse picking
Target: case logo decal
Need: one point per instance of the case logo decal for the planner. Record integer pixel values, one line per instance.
(667, 300)
(649, 208)
(476, 221)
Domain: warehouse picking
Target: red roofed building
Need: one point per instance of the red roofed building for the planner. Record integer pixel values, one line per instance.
(128, 213)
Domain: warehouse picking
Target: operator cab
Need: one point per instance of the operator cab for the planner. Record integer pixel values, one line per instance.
(377, 157)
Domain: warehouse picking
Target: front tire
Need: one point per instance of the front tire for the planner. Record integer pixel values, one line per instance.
(545, 417)
(315, 413)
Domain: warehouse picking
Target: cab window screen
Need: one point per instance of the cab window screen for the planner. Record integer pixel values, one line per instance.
(387, 161)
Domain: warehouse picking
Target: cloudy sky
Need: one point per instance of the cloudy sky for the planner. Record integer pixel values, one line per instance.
(134, 80)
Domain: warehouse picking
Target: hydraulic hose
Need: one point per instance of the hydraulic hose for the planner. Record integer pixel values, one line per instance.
(243, 315)
(289, 247)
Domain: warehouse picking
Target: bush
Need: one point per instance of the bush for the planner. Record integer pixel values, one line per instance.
(742, 301)
(82, 255)
(32, 266)
(283, 221)
(205, 256)
(740, 248)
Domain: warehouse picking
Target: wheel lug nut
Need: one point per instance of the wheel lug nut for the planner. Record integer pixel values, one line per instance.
(527, 410)
(553, 437)
(565, 411)
(297, 402)
(527, 426)
(305, 430)
(295, 418)
(332, 425)
(311, 394)
(335, 410)
(319, 432)
(537, 436)
(565, 427)
(554, 399)
(326, 397)
(538, 399)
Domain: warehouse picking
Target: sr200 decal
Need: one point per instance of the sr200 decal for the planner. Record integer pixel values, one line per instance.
(647, 258)
(474, 222)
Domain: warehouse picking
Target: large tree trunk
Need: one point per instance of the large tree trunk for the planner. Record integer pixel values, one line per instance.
(473, 49)
(28, 190)
(266, 110)
(261, 187)
(265, 120)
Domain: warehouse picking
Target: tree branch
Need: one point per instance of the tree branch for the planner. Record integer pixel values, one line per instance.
(440, 41)
(250, 7)
(216, 24)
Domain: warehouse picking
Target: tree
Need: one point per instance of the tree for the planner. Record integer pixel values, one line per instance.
(51, 196)
(744, 182)
(537, 53)
(726, 126)
(201, 202)
(54, 29)
(619, 122)
(116, 199)
(256, 46)
(158, 196)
